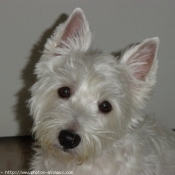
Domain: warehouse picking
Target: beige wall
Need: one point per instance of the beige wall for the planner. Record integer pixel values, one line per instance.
(25, 25)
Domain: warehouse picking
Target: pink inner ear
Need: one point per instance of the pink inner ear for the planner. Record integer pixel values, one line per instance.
(73, 27)
(142, 59)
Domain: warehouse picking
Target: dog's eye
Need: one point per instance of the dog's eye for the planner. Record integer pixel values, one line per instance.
(64, 92)
(105, 107)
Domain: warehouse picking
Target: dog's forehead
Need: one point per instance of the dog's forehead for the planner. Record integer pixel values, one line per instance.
(93, 72)
(101, 64)
(91, 66)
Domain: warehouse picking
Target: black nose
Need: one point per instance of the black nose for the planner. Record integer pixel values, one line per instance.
(69, 139)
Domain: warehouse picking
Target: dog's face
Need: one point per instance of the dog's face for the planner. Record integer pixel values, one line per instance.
(84, 101)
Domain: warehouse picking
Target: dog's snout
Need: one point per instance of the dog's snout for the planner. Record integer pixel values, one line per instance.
(69, 139)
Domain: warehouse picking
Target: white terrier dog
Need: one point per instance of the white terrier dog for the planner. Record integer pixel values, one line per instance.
(87, 108)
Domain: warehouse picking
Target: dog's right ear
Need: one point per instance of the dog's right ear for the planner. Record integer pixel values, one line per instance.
(73, 35)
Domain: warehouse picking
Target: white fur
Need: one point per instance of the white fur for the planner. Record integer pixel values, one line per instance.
(121, 142)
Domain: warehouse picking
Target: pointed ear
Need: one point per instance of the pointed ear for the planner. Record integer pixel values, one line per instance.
(74, 34)
(141, 59)
(140, 62)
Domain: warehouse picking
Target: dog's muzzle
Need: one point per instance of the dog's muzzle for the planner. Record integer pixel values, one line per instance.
(69, 139)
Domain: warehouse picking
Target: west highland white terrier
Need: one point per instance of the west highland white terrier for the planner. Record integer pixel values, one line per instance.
(87, 108)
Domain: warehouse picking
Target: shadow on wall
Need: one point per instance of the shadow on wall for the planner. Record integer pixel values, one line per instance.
(28, 77)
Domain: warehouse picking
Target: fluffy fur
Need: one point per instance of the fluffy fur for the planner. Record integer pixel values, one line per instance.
(121, 142)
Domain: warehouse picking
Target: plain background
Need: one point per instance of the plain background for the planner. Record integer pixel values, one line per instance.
(25, 25)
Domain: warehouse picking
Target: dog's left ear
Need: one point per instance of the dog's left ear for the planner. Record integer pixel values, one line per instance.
(141, 63)
(72, 35)
(141, 59)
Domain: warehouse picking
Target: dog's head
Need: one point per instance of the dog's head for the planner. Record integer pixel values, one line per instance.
(84, 101)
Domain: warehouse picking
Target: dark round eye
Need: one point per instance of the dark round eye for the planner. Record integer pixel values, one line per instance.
(64, 92)
(105, 107)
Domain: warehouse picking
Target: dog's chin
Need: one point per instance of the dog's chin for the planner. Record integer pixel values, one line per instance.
(85, 151)
(68, 155)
